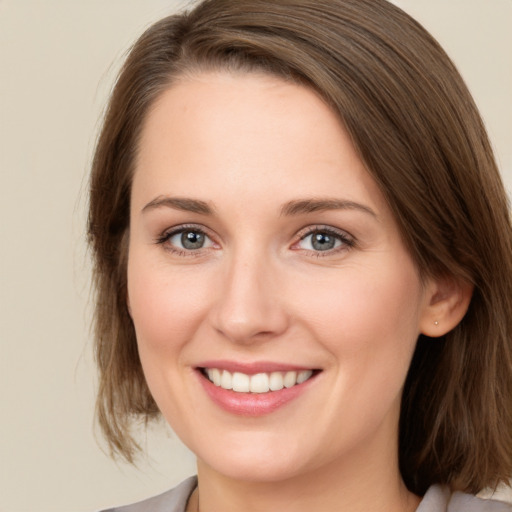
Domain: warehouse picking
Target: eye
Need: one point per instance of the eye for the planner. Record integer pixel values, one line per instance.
(324, 240)
(190, 240)
(186, 239)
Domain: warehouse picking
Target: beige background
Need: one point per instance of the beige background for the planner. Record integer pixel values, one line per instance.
(57, 63)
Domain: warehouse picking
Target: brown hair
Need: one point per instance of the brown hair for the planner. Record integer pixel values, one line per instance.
(416, 127)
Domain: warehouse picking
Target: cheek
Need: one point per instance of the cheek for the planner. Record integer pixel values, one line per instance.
(355, 303)
(369, 322)
(165, 306)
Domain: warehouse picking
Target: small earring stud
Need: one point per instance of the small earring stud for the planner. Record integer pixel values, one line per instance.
(436, 323)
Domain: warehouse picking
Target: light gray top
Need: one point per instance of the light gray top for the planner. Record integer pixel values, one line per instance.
(437, 499)
(174, 500)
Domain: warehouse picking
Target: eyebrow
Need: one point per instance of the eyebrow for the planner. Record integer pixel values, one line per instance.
(180, 203)
(291, 208)
(302, 206)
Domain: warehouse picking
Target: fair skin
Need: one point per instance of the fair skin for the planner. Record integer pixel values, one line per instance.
(259, 244)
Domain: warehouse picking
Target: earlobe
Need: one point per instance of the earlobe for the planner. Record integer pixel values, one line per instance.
(447, 301)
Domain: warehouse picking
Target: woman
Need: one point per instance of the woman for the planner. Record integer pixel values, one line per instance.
(303, 261)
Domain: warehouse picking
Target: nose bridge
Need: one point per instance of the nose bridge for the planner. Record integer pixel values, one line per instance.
(248, 306)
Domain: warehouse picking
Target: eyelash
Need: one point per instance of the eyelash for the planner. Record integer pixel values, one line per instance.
(167, 235)
(347, 241)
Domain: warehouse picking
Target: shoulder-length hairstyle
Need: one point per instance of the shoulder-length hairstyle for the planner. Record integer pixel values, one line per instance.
(417, 129)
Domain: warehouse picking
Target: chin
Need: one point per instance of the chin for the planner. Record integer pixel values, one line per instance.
(247, 469)
(256, 459)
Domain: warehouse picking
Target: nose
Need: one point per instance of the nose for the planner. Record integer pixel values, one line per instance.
(250, 305)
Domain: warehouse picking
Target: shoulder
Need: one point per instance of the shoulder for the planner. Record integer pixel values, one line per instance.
(440, 499)
(174, 500)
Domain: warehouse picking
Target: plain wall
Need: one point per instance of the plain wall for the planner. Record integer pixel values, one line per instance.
(58, 60)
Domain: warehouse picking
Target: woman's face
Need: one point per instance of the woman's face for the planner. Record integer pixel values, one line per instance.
(262, 254)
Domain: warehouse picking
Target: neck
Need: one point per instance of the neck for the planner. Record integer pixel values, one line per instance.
(355, 486)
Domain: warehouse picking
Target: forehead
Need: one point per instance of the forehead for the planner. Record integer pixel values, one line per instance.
(251, 131)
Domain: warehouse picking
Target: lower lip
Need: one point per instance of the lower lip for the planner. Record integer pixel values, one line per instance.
(252, 404)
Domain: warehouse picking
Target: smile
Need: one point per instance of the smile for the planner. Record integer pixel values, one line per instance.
(257, 383)
(254, 389)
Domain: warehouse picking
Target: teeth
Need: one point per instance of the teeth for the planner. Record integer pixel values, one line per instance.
(303, 376)
(226, 380)
(241, 382)
(290, 379)
(216, 376)
(276, 381)
(258, 383)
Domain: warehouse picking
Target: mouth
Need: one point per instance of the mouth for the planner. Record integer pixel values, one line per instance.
(259, 383)
(254, 389)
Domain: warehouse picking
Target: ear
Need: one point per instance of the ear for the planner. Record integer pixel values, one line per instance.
(447, 301)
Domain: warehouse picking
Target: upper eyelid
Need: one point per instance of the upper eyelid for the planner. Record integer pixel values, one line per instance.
(165, 235)
(304, 232)
(184, 227)
(347, 240)
(300, 234)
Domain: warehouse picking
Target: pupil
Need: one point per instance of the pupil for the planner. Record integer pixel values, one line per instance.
(322, 242)
(192, 240)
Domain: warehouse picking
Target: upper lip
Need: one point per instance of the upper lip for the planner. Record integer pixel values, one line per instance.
(253, 367)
